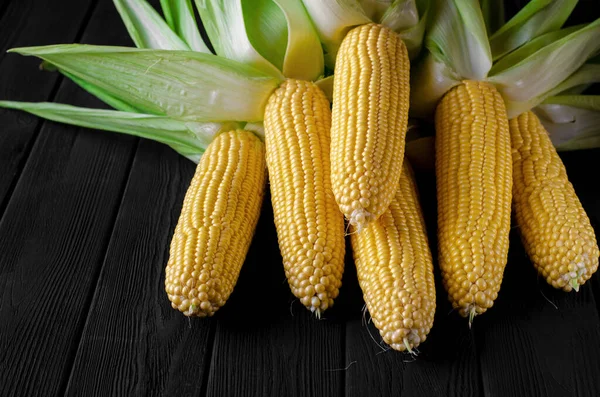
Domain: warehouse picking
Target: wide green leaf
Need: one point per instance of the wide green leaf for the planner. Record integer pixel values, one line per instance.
(146, 27)
(183, 85)
(408, 18)
(234, 34)
(573, 122)
(457, 37)
(189, 142)
(401, 15)
(304, 54)
(541, 68)
(493, 14)
(179, 14)
(333, 19)
(536, 18)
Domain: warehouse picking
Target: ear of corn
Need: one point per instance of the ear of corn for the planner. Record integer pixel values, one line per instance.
(310, 227)
(474, 181)
(217, 221)
(370, 116)
(555, 229)
(395, 269)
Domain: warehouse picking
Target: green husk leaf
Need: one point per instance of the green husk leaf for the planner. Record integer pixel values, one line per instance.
(572, 123)
(326, 85)
(536, 18)
(540, 68)
(458, 38)
(158, 128)
(429, 82)
(183, 85)
(267, 29)
(179, 14)
(235, 27)
(587, 102)
(584, 77)
(401, 15)
(409, 19)
(304, 54)
(102, 95)
(531, 48)
(333, 19)
(146, 27)
(375, 9)
(493, 14)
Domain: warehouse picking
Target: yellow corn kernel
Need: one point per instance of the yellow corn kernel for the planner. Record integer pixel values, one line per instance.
(395, 269)
(474, 182)
(555, 229)
(370, 117)
(310, 226)
(217, 221)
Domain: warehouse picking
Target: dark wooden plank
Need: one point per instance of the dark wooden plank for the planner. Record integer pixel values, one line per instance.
(53, 237)
(266, 344)
(538, 341)
(54, 234)
(134, 343)
(28, 23)
(447, 362)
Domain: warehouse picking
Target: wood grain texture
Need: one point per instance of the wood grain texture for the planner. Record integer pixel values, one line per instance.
(134, 343)
(55, 230)
(266, 344)
(27, 23)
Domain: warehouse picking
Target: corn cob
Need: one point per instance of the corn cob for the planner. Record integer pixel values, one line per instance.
(310, 227)
(217, 221)
(370, 116)
(555, 229)
(395, 269)
(474, 181)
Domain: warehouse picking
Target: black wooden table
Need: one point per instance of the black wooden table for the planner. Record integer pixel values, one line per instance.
(85, 224)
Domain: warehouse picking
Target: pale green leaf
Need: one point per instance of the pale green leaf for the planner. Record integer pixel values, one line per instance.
(333, 19)
(375, 9)
(179, 14)
(493, 14)
(587, 102)
(326, 85)
(572, 127)
(304, 54)
(413, 36)
(458, 38)
(430, 80)
(401, 15)
(183, 85)
(102, 95)
(158, 128)
(146, 27)
(227, 29)
(541, 69)
(536, 18)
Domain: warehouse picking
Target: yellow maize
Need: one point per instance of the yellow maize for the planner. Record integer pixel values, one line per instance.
(216, 225)
(370, 117)
(474, 182)
(555, 229)
(310, 227)
(395, 269)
